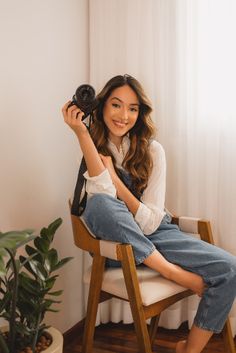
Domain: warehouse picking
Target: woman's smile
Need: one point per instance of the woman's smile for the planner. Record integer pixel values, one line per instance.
(119, 124)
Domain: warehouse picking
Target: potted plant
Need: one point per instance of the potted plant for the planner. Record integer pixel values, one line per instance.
(26, 289)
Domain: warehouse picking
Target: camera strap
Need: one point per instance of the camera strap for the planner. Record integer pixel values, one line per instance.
(78, 204)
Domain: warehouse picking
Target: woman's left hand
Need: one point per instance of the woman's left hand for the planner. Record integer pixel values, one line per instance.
(107, 161)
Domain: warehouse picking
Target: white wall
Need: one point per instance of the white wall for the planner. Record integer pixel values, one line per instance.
(44, 53)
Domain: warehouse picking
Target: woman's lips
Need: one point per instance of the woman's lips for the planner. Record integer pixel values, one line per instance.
(119, 123)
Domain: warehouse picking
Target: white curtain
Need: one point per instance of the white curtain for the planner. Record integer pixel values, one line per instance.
(184, 53)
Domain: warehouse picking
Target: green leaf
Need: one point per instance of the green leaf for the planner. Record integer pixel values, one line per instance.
(28, 307)
(25, 260)
(62, 263)
(2, 267)
(29, 284)
(22, 329)
(48, 303)
(53, 310)
(53, 301)
(45, 234)
(52, 258)
(25, 241)
(48, 233)
(4, 301)
(14, 239)
(41, 244)
(2, 291)
(54, 226)
(3, 252)
(49, 283)
(38, 269)
(30, 250)
(56, 293)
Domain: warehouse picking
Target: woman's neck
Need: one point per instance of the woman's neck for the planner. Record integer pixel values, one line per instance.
(116, 140)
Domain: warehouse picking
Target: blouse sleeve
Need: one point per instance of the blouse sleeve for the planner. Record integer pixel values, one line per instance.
(151, 209)
(101, 183)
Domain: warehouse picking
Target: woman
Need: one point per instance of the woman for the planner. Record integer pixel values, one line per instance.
(126, 175)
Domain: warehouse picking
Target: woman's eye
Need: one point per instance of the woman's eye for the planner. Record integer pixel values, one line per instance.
(115, 105)
(134, 109)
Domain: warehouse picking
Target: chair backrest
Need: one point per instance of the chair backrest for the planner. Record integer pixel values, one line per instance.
(82, 237)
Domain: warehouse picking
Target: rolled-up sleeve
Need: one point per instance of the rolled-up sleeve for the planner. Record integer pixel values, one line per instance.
(101, 183)
(151, 209)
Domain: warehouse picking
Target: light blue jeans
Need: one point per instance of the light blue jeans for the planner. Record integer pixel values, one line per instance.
(110, 219)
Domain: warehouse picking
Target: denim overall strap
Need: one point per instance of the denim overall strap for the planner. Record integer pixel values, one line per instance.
(127, 180)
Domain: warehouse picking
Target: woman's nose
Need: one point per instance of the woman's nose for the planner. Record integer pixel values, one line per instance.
(125, 114)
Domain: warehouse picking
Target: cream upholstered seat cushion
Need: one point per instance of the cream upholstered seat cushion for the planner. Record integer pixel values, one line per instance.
(153, 286)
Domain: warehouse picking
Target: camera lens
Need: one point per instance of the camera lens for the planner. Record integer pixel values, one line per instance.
(85, 94)
(85, 99)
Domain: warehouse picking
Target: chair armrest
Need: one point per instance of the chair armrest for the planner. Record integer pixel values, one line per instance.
(187, 224)
(109, 249)
(195, 226)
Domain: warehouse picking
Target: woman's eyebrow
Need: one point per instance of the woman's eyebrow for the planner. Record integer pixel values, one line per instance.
(123, 102)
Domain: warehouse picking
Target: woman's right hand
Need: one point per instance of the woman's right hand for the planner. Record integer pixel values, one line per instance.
(73, 117)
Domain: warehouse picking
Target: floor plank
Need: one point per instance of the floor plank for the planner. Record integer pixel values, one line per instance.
(120, 338)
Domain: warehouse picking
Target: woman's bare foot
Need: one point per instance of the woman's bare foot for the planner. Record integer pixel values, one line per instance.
(181, 347)
(187, 279)
(175, 273)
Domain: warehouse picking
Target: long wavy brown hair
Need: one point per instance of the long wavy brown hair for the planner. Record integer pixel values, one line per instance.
(137, 162)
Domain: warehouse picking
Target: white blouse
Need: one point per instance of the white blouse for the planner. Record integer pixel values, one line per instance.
(151, 209)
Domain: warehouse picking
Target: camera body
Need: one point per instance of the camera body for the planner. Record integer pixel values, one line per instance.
(85, 99)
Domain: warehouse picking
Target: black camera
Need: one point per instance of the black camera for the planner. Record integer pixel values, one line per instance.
(85, 99)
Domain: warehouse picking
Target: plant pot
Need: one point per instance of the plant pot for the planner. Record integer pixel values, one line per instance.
(57, 340)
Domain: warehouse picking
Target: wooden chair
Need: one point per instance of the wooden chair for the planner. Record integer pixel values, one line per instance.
(133, 284)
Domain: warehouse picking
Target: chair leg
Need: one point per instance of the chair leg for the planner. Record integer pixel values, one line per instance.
(93, 301)
(134, 295)
(153, 328)
(228, 338)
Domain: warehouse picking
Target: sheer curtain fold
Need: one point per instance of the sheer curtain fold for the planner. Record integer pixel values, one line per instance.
(184, 53)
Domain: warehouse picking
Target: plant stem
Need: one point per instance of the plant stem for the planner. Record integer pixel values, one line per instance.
(36, 332)
(12, 324)
(3, 344)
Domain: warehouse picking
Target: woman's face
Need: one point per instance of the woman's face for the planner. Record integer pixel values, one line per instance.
(120, 112)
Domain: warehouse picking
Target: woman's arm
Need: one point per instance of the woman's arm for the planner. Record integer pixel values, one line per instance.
(123, 193)
(73, 117)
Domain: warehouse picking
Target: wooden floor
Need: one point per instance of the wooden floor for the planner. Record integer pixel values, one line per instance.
(120, 338)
